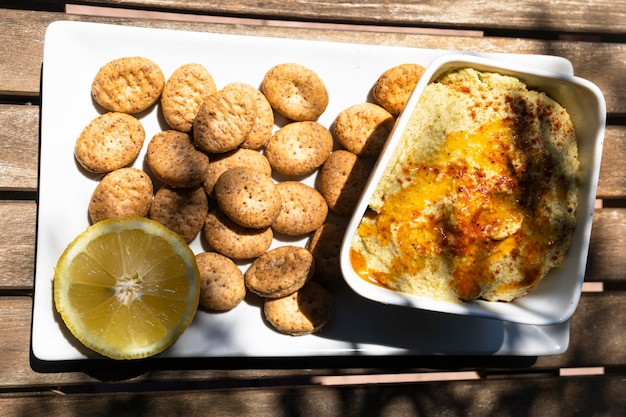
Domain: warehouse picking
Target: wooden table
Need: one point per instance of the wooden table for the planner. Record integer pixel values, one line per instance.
(588, 379)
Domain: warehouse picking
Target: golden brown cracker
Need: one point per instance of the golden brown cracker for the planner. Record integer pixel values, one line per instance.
(342, 180)
(304, 312)
(363, 129)
(240, 157)
(325, 245)
(174, 160)
(109, 142)
(264, 121)
(225, 119)
(248, 197)
(182, 210)
(280, 271)
(394, 87)
(128, 85)
(184, 93)
(302, 211)
(299, 148)
(222, 286)
(295, 91)
(124, 192)
(233, 240)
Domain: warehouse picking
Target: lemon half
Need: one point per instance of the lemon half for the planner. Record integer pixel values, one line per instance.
(127, 288)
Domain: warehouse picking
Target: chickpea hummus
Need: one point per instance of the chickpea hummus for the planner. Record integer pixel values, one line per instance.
(480, 196)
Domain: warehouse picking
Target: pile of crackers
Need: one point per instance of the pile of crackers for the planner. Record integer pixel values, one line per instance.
(225, 171)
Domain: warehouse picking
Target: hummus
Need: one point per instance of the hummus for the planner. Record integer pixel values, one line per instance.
(479, 198)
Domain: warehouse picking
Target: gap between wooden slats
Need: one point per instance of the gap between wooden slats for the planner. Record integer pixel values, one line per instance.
(329, 380)
(336, 380)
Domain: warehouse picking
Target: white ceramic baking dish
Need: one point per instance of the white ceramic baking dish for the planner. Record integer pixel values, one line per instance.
(555, 298)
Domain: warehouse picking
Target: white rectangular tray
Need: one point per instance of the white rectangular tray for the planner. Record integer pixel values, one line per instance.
(73, 53)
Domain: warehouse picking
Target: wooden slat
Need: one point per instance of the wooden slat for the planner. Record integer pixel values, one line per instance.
(596, 336)
(567, 396)
(20, 69)
(601, 63)
(17, 246)
(604, 16)
(19, 147)
(608, 243)
(612, 182)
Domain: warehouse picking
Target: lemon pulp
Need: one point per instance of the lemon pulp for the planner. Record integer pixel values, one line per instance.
(127, 288)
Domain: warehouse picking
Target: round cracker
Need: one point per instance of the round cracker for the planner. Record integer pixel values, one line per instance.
(110, 141)
(341, 181)
(304, 312)
(124, 192)
(299, 148)
(394, 87)
(302, 211)
(248, 197)
(182, 210)
(280, 271)
(222, 286)
(363, 129)
(183, 94)
(233, 240)
(325, 245)
(237, 158)
(225, 119)
(128, 85)
(174, 160)
(295, 91)
(264, 121)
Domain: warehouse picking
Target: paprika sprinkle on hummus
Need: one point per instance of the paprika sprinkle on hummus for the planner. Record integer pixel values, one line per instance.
(480, 196)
